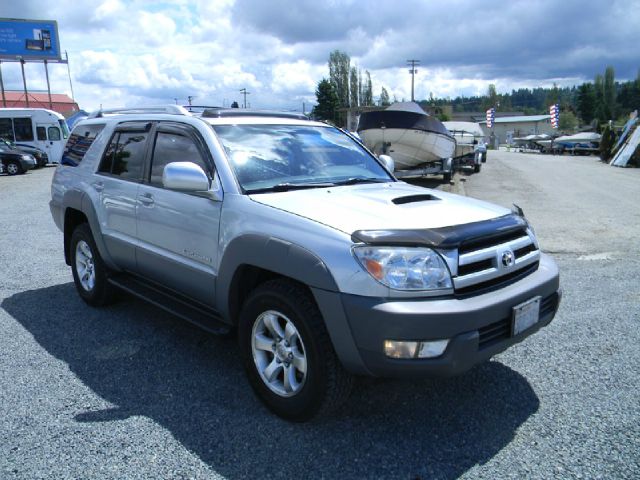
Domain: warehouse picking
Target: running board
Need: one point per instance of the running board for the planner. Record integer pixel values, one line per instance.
(199, 315)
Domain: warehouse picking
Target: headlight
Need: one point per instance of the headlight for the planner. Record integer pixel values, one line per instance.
(403, 268)
(27, 157)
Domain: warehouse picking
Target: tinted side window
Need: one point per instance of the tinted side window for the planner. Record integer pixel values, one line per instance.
(124, 156)
(171, 147)
(23, 129)
(78, 144)
(6, 129)
(107, 159)
(41, 133)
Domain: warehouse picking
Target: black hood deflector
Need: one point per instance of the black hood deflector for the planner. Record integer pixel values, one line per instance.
(445, 237)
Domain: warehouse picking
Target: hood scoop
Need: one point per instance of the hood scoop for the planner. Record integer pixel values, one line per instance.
(414, 199)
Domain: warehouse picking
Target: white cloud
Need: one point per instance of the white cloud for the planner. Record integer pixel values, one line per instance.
(133, 51)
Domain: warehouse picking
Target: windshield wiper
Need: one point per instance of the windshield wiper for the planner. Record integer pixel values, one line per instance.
(356, 180)
(286, 186)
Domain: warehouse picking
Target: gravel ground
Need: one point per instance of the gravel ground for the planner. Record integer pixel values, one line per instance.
(131, 392)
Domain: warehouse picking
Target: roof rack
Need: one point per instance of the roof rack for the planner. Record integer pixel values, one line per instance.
(170, 109)
(237, 112)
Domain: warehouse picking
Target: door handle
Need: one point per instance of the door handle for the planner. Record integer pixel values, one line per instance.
(146, 199)
(98, 186)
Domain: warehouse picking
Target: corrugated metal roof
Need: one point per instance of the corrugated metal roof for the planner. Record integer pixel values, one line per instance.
(521, 119)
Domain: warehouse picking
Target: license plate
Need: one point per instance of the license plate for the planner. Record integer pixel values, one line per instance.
(526, 315)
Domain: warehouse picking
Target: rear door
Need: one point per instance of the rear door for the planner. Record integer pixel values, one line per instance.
(116, 183)
(178, 231)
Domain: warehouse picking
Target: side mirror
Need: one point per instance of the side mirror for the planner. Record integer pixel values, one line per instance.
(185, 176)
(388, 162)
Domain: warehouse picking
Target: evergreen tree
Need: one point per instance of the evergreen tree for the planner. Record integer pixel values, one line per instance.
(586, 102)
(609, 92)
(327, 100)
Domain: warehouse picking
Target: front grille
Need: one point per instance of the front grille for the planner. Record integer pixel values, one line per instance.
(492, 261)
(501, 330)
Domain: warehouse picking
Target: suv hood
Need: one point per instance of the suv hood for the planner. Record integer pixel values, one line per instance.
(396, 205)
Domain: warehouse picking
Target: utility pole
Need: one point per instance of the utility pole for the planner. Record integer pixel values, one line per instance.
(244, 92)
(413, 71)
(66, 54)
(190, 98)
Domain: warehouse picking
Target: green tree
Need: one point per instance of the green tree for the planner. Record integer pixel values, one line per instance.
(567, 122)
(327, 102)
(553, 96)
(606, 143)
(609, 92)
(491, 100)
(339, 67)
(354, 87)
(384, 98)
(586, 102)
(367, 91)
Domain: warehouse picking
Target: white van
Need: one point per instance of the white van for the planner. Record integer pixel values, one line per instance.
(36, 127)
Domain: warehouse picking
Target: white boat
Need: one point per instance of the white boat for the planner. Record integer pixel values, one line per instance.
(405, 132)
(582, 137)
(467, 134)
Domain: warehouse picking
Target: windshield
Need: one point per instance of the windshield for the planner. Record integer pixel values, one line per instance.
(65, 129)
(284, 157)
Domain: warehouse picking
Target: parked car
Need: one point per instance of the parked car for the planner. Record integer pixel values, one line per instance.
(41, 157)
(292, 233)
(14, 161)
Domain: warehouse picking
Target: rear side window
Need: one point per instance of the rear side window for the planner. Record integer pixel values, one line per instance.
(124, 157)
(23, 129)
(78, 143)
(171, 147)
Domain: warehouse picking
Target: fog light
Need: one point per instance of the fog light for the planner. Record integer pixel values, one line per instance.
(400, 349)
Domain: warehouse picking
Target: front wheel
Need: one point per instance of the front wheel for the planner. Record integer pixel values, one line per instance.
(14, 168)
(288, 354)
(89, 271)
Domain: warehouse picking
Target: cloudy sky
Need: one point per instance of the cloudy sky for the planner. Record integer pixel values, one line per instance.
(131, 52)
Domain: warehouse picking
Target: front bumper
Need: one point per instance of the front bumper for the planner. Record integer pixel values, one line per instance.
(478, 327)
(29, 164)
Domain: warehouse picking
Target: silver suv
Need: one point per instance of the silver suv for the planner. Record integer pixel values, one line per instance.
(293, 234)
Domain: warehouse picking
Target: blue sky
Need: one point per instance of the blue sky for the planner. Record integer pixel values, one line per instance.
(128, 52)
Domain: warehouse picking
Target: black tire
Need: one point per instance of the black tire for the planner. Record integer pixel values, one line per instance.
(102, 292)
(327, 385)
(476, 168)
(13, 167)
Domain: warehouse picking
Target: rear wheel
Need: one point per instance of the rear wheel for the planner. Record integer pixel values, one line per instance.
(14, 168)
(89, 271)
(287, 352)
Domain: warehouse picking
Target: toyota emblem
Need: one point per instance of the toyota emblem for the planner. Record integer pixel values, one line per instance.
(507, 258)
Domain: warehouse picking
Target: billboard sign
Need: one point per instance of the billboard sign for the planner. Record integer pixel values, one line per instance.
(29, 39)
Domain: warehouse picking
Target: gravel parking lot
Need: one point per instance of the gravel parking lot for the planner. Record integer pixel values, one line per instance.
(132, 392)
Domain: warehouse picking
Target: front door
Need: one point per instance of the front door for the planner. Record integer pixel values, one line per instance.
(116, 184)
(177, 231)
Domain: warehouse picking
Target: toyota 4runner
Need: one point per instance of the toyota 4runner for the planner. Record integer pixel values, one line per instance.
(292, 234)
